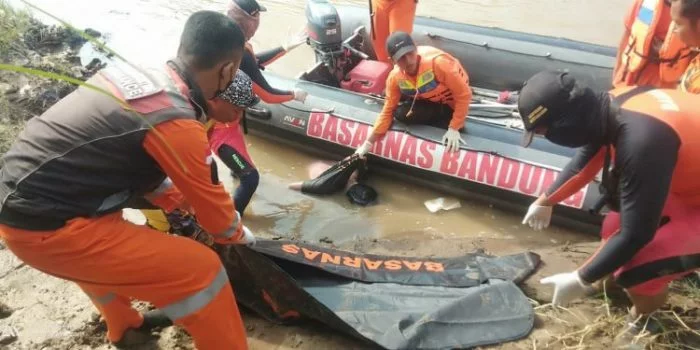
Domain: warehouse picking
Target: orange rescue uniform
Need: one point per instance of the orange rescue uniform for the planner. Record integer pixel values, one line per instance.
(440, 79)
(389, 16)
(111, 259)
(650, 53)
(690, 82)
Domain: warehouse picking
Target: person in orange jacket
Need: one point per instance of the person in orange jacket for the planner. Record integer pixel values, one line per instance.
(431, 76)
(686, 18)
(389, 16)
(650, 52)
(66, 178)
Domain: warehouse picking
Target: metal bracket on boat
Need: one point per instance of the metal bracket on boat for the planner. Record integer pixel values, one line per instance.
(259, 113)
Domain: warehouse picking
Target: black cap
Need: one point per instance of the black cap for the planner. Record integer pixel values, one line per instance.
(250, 6)
(544, 98)
(398, 44)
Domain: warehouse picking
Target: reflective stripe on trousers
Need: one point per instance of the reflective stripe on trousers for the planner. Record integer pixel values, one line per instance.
(103, 299)
(194, 303)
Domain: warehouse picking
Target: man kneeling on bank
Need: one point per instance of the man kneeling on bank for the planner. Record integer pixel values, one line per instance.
(433, 78)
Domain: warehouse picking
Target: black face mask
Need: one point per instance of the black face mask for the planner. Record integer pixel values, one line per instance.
(583, 125)
(569, 133)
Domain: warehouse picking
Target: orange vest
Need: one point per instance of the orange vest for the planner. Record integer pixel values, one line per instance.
(647, 59)
(681, 112)
(425, 81)
(690, 81)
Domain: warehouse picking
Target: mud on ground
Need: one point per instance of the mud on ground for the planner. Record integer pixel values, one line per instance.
(27, 43)
(42, 312)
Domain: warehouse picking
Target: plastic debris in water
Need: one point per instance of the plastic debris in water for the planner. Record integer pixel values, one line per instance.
(441, 203)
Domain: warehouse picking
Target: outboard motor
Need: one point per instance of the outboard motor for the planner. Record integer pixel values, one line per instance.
(326, 36)
(326, 39)
(323, 27)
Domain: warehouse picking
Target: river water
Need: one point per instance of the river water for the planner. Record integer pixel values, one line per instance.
(147, 32)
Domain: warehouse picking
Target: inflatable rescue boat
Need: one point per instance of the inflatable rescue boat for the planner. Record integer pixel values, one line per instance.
(345, 86)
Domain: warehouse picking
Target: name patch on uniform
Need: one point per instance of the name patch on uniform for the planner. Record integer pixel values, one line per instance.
(131, 82)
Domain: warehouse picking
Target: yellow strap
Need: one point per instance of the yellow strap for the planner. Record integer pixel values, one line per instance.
(209, 124)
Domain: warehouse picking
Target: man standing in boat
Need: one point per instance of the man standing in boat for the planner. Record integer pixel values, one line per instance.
(650, 51)
(389, 16)
(427, 75)
(686, 18)
(652, 234)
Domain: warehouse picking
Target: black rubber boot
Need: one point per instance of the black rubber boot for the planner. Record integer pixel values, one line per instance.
(152, 320)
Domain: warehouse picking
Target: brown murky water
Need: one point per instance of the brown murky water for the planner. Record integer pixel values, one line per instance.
(147, 31)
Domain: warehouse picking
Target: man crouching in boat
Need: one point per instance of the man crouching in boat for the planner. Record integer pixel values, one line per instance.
(426, 74)
(652, 234)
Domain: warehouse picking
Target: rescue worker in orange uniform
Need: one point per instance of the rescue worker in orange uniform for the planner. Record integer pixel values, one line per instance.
(226, 140)
(389, 16)
(652, 234)
(428, 75)
(650, 53)
(65, 180)
(686, 15)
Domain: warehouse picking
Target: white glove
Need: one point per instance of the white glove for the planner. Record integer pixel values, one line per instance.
(538, 216)
(452, 139)
(567, 287)
(364, 149)
(248, 237)
(300, 95)
(295, 40)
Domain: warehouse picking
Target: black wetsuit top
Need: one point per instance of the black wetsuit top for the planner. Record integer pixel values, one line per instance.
(250, 65)
(646, 150)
